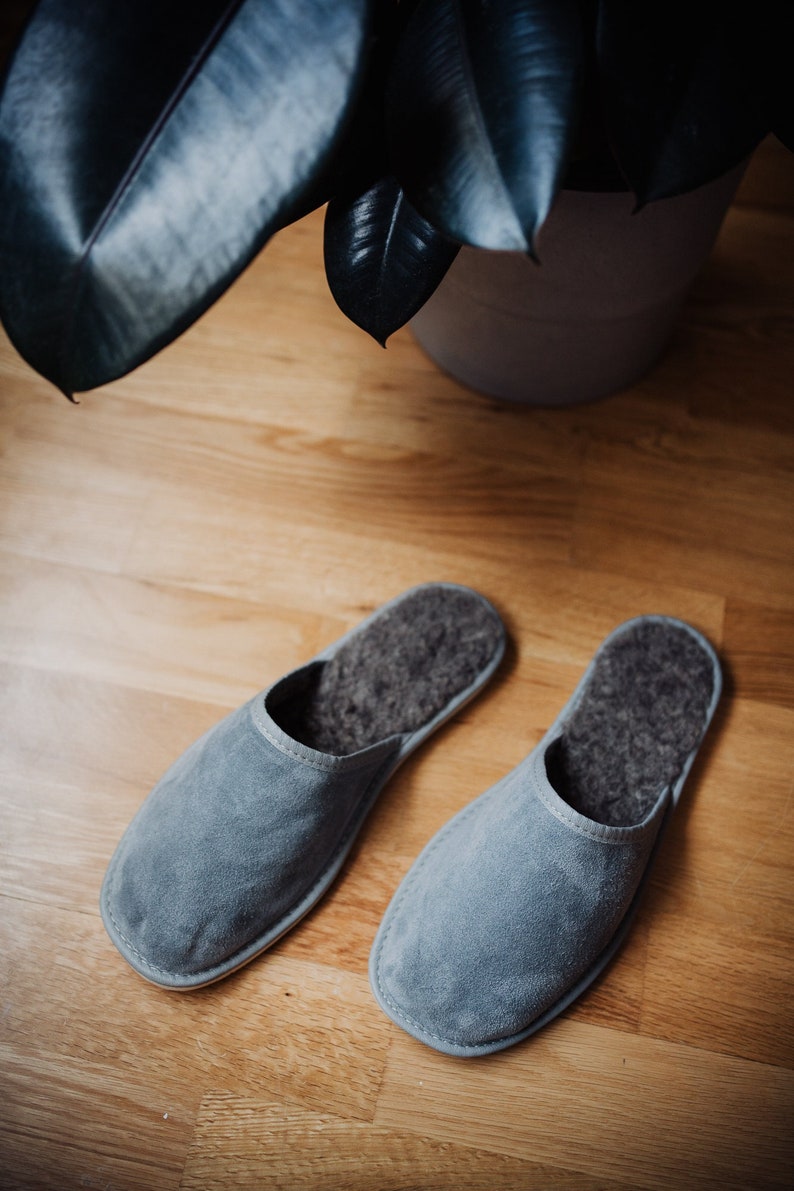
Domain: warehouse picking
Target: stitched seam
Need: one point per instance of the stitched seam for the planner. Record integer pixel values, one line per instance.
(582, 829)
(325, 763)
(128, 942)
(332, 765)
(283, 747)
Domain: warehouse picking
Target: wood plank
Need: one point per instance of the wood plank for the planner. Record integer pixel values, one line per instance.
(732, 350)
(715, 981)
(101, 736)
(249, 1142)
(732, 830)
(711, 518)
(394, 519)
(90, 523)
(68, 1123)
(301, 1031)
(720, 971)
(134, 633)
(761, 645)
(55, 841)
(610, 1102)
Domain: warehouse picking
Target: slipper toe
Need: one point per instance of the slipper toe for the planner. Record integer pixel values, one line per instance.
(518, 896)
(227, 848)
(521, 900)
(247, 830)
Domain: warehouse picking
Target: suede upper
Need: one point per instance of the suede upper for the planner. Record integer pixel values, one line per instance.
(521, 899)
(512, 900)
(230, 841)
(248, 829)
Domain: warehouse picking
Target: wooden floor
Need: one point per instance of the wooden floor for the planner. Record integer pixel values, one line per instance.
(186, 535)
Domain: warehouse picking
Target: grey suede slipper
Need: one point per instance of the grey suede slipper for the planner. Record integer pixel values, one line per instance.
(245, 833)
(520, 901)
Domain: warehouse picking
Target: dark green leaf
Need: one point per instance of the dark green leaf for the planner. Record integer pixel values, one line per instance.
(148, 149)
(383, 260)
(680, 97)
(482, 109)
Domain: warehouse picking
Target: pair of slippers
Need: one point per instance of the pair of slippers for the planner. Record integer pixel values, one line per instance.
(514, 907)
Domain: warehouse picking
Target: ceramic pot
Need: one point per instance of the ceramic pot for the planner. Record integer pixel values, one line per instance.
(594, 316)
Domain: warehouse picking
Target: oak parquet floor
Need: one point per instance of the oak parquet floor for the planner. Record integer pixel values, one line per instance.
(189, 533)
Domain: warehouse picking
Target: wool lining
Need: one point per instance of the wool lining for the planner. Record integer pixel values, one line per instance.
(642, 714)
(396, 674)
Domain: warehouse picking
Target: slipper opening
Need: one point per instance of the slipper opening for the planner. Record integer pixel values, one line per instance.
(642, 713)
(397, 673)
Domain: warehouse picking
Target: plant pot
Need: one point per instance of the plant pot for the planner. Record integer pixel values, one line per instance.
(594, 316)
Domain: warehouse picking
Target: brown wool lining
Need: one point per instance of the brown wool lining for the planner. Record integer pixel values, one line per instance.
(641, 716)
(396, 674)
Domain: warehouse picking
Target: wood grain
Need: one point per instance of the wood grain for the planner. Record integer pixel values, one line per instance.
(188, 534)
(245, 1142)
(616, 1104)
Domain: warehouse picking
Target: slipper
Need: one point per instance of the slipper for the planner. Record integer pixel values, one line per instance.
(521, 900)
(245, 833)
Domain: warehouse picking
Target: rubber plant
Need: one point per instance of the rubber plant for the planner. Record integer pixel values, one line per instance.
(150, 148)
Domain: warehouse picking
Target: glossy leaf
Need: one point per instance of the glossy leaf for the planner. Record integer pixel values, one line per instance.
(679, 95)
(148, 149)
(382, 259)
(482, 108)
